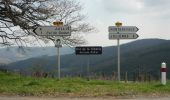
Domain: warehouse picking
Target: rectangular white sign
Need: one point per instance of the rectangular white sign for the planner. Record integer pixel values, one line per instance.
(123, 36)
(53, 31)
(123, 29)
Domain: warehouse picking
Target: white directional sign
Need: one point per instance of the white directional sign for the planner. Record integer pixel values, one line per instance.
(53, 31)
(123, 36)
(123, 29)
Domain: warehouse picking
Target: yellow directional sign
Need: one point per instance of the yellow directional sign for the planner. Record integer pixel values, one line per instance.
(58, 23)
(118, 24)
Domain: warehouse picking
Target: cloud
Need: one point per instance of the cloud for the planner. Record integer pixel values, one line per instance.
(136, 6)
(156, 3)
(122, 6)
(141, 9)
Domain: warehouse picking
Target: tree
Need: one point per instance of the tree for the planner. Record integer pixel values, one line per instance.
(18, 18)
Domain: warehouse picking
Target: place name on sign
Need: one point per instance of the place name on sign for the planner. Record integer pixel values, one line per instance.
(123, 36)
(57, 33)
(61, 28)
(88, 50)
(123, 29)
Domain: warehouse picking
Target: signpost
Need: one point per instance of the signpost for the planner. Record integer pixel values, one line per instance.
(121, 32)
(88, 50)
(57, 31)
(58, 44)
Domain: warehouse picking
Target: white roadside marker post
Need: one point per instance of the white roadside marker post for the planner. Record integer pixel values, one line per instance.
(163, 73)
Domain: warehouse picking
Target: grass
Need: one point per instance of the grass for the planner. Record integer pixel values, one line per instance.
(28, 86)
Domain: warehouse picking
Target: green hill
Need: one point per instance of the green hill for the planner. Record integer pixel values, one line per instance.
(141, 56)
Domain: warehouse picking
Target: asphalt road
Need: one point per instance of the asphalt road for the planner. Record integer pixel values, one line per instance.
(41, 98)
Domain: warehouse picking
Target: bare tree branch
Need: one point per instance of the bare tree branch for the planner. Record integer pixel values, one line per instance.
(18, 18)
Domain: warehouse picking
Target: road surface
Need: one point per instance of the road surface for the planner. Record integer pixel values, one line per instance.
(45, 98)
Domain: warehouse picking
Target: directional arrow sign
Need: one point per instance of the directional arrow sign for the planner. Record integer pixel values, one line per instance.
(53, 31)
(123, 29)
(123, 36)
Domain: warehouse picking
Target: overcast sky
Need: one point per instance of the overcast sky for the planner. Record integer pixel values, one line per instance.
(152, 17)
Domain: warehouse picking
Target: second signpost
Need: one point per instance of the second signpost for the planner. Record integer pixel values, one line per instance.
(121, 32)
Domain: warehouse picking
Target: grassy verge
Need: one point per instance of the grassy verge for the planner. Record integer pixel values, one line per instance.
(18, 85)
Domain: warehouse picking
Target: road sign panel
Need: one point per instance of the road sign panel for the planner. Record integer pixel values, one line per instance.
(53, 31)
(88, 50)
(123, 36)
(123, 29)
(58, 42)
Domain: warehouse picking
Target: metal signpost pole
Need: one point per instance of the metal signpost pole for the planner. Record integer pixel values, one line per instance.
(118, 24)
(88, 68)
(58, 53)
(118, 59)
(58, 43)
